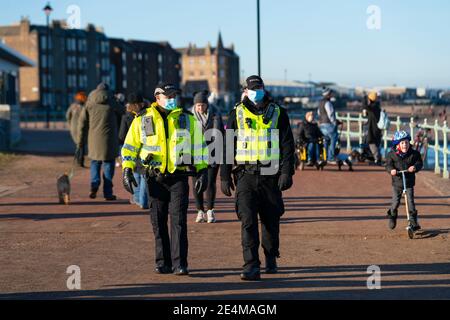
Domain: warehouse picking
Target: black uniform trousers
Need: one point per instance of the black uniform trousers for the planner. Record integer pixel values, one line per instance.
(171, 197)
(259, 195)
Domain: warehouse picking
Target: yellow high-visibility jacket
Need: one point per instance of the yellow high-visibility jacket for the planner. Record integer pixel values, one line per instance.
(256, 140)
(185, 144)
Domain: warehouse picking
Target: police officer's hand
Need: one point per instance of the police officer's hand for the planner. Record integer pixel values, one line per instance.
(128, 180)
(227, 186)
(202, 182)
(285, 182)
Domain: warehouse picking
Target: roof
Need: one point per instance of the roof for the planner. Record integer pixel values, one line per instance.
(194, 51)
(14, 57)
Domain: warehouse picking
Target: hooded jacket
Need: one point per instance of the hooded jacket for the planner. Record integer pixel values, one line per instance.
(99, 122)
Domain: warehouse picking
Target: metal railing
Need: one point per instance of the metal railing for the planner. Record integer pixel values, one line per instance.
(440, 146)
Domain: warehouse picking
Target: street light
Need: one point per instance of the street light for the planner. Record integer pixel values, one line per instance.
(48, 10)
(259, 37)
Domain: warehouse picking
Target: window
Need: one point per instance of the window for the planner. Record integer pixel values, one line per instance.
(82, 63)
(124, 84)
(82, 45)
(160, 58)
(124, 57)
(43, 61)
(71, 44)
(44, 42)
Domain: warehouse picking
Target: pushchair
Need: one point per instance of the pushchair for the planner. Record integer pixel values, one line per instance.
(301, 156)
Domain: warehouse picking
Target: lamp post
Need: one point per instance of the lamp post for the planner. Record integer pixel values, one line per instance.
(259, 37)
(48, 10)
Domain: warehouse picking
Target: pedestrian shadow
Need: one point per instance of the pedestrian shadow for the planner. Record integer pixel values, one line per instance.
(429, 234)
(72, 204)
(290, 220)
(293, 283)
(56, 216)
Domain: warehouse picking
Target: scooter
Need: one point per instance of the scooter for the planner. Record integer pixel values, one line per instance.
(410, 230)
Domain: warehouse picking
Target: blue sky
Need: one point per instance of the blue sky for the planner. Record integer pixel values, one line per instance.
(328, 39)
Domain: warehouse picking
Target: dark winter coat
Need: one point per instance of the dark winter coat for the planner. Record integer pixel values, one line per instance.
(309, 132)
(99, 123)
(133, 111)
(395, 162)
(374, 134)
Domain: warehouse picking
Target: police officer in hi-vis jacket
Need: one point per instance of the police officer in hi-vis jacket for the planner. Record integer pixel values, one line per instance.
(263, 168)
(170, 145)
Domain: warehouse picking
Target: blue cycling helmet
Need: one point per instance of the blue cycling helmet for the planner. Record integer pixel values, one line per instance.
(400, 136)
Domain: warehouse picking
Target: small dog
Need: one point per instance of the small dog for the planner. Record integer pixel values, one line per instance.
(63, 187)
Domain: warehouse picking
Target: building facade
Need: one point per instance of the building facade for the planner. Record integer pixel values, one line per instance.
(138, 66)
(215, 69)
(67, 61)
(10, 62)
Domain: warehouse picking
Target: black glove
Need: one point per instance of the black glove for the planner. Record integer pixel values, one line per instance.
(202, 182)
(128, 180)
(227, 186)
(285, 182)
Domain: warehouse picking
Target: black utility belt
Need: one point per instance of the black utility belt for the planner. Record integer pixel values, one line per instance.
(250, 169)
(177, 174)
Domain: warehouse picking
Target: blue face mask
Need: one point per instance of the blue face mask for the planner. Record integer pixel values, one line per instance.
(171, 104)
(256, 96)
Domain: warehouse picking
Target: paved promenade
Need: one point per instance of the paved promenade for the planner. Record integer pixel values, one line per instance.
(333, 230)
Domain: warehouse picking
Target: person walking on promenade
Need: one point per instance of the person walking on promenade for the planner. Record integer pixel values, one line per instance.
(169, 144)
(263, 155)
(136, 107)
(374, 134)
(211, 124)
(328, 124)
(98, 123)
(73, 117)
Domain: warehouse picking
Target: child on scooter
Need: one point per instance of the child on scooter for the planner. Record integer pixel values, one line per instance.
(403, 158)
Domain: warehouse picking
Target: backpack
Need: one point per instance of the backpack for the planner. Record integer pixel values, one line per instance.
(384, 122)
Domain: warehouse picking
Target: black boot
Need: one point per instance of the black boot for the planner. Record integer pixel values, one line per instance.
(252, 275)
(271, 265)
(393, 215)
(414, 221)
(93, 193)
